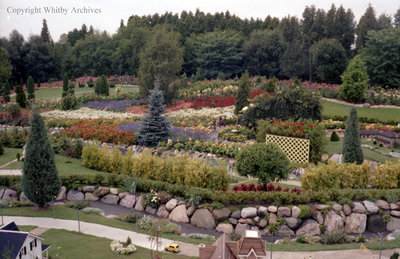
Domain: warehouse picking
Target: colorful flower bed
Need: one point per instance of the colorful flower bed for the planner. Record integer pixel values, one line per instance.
(262, 188)
(87, 113)
(21, 119)
(236, 134)
(290, 128)
(114, 105)
(122, 247)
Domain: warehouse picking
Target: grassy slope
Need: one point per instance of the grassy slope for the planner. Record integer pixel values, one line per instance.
(9, 155)
(331, 108)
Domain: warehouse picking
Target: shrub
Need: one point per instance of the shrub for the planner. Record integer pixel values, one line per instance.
(130, 185)
(13, 109)
(90, 210)
(90, 83)
(267, 162)
(77, 204)
(334, 137)
(69, 102)
(395, 255)
(1, 149)
(337, 237)
(355, 81)
(242, 94)
(352, 151)
(387, 175)
(130, 218)
(20, 96)
(146, 222)
(360, 239)
(199, 236)
(304, 211)
(236, 134)
(170, 227)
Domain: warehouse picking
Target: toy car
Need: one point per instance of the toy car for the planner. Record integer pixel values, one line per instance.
(174, 248)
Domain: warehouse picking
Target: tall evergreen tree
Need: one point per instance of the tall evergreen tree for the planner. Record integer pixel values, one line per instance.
(45, 33)
(40, 180)
(65, 85)
(367, 23)
(20, 96)
(6, 92)
(155, 127)
(351, 149)
(354, 80)
(397, 18)
(30, 87)
(104, 87)
(97, 86)
(242, 95)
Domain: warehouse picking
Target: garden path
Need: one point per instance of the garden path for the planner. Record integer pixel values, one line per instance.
(359, 105)
(10, 162)
(11, 172)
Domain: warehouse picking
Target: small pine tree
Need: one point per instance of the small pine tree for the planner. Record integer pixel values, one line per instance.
(71, 88)
(104, 87)
(97, 86)
(20, 98)
(40, 180)
(65, 85)
(243, 92)
(155, 127)
(6, 92)
(352, 151)
(90, 83)
(334, 136)
(1, 148)
(30, 87)
(38, 83)
(355, 81)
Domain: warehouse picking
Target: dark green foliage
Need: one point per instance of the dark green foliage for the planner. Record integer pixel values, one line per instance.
(336, 237)
(267, 162)
(97, 86)
(154, 127)
(65, 85)
(69, 102)
(6, 91)
(329, 60)
(1, 149)
(270, 86)
(382, 57)
(334, 136)
(30, 87)
(45, 33)
(5, 66)
(293, 103)
(397, 19)
(395, 255)
(90, 83)
(367, 23)
(71, 88)
(40, 180)
(242, 95)
(352, 151)
(104, 87)
(355, 81)
(38, 83)
(20, 96)
(13, 109)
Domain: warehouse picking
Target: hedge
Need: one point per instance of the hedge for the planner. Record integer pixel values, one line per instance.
(360, 119)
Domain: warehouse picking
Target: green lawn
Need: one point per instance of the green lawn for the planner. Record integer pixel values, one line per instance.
(53, 93)
(336, 148)
(9, 155)
(385, 114)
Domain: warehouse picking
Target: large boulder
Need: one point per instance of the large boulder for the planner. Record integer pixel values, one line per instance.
(272, 209)
(309, 228)
(236, 214)
(295, 212)
(273, 218)
(249, 212)
(241, 228)
(225, 228)
(333, 222)
(110, 199)
(151, 210)
(393, 224)
(318, 217)
(395, 213)
(262, 211)
(114, 191)
(346, 209)
(221, 214)
(88, 188)
(191, 210)
(162, 212)
(337, 207)
(74, 195)
(262, 223)
(171, 204)
(128, 201)
(101, 191)
(246, 221)
(371, 207)
(382, 204)
(284, 231)
(375, 223)
(284, 212)
(179, 214)
(10, 194)
(203, 218)
(22, 197)
(233, 221)
(89, 196)
(356, 223)
(358, 208)
(63, 194)
(293, 223)
(139, 203)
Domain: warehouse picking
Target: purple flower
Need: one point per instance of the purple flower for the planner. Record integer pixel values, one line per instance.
(114, 105)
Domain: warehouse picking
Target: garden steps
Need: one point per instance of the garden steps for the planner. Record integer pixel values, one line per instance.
(38, 231)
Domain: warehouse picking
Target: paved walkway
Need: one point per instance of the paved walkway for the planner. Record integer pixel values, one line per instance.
(186, 249)
(359, 105)
(10, 172)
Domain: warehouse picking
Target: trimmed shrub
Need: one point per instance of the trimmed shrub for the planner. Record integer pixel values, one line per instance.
(334, 137)
(352, 151)
(242, 95)
(387, 175)
(355, 81)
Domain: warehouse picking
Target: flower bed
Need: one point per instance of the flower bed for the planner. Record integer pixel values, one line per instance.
(262, 188)
(236, 134)
(121, 247)
(87, 113)
(114, 105)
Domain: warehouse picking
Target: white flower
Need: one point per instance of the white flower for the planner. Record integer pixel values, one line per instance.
(87, 113)
(227, 112)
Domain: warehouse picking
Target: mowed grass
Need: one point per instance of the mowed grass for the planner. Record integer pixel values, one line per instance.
(9, 155)
(54, 93)
(383, 114)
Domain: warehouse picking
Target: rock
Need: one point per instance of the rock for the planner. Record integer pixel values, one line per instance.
(236, 214)
(203, 218)
(346, 209)
(10, 195)
(225, 228)
(394, 206)
(151, 210)
(221, 214)
(88, 189)
(114, 191)
(366, 105)
(375, 223)
(63, 194)
(89, 196)
(322, 207)
(241, 228)
(295, 212)
(233, 221)
(333, 222)
(139, 203)
(382, 204)
(162, 212)
(191, 210)
(284, 212)
(74, 195)
(324, 157)
(358, 208)
(110, 199)
(171, 204)
(337, 207)
(393, 224)
(256, 219)
(272, 209)
(272, 218)
(371, 207)
(284, 231)
(179, 214)
(246, 221)
(249, 212)
(341, 214)
(263, 223)
(395, 213)
(101, 191)
(22, 197)
(1, 193)
(309, 228)
(293, 222)
(262, 211)
(337, 158)
(128, 201)
(318, 217)
(356, 223)
(123, 194)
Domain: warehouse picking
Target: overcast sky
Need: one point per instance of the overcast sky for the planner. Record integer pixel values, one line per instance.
(109, 13)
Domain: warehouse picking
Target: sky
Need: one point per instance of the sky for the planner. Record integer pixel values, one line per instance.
(64, 15)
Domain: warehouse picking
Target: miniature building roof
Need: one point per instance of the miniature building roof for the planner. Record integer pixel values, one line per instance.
(369, 132)
(12, 241)
(10, 226)
(388, 134)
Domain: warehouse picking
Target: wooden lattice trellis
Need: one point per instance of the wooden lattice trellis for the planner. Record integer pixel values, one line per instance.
(296, 149)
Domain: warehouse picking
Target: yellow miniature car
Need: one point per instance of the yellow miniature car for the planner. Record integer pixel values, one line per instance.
(174, 248)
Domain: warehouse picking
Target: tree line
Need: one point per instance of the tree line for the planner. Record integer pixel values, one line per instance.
(317, 47)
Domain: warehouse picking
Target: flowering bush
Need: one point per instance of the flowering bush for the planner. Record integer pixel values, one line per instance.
(228, 112)
(263, 188)
(87, 113)
(236, 134)
(152, 199)
(21, 119)
(114, 105)
(122, 247)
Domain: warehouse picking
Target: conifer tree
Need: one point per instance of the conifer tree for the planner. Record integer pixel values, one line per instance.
(243, 92)
(40, 180)
(65, 85)
(30, 87)
(155, 127)
(38, 83)
(352, 151)
(104, 87)
(20, 96)
(6, 92)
